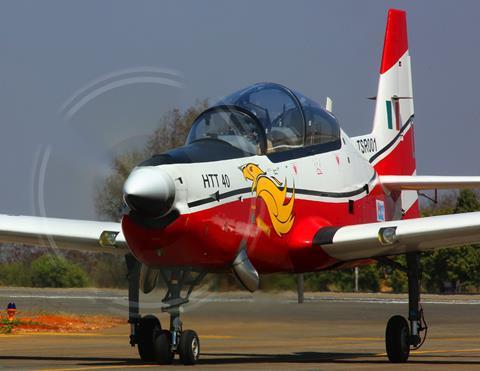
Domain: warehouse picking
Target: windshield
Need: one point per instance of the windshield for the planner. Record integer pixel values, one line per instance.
(232, 125)
(277, 110)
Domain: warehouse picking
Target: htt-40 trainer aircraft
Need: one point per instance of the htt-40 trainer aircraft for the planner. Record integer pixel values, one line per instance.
(268, 182)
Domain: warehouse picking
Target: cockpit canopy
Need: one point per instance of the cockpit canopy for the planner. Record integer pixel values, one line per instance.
(267, 118)
(231, 124)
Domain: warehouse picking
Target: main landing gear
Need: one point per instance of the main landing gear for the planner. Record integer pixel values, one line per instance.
(401, 335)
(154, 343)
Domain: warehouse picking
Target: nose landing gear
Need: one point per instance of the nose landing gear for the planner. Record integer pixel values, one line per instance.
(189, 347)
(154, 343)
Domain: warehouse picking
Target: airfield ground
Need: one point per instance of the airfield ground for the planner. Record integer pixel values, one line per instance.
(243, 331)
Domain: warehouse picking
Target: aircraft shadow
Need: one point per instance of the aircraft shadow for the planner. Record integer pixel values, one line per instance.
(323, 357)
(93, 361)
(244, 358)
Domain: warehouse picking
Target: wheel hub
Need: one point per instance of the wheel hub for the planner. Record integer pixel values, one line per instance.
(195, 348)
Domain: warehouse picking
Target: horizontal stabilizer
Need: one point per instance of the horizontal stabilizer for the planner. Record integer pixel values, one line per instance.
(424, 182)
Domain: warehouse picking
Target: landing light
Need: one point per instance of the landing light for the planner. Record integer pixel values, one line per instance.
(108, 239)
(387, 235)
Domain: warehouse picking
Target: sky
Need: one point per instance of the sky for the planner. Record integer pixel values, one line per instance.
(81, 81)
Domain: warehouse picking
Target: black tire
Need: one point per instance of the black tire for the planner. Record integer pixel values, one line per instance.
(397, 339)
(189, 347)
(162, 347)
(147, 329)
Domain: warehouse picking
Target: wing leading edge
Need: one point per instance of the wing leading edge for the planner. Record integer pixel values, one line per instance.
(63, 233)
(365, 241)
(424, 182)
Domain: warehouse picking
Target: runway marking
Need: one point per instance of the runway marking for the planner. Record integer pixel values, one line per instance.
(354, 338)
(85, 334)
(382, 339)
(93, 334)
(100, 367)
(220, 337)
(446, 351)
(474, 350)
(213, 337)
(454, 339)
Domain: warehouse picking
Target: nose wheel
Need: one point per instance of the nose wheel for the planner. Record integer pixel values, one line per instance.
(154, 343)
(146, 332)
(189, 347)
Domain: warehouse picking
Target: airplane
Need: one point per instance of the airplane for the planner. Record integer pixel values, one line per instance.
(269, 182)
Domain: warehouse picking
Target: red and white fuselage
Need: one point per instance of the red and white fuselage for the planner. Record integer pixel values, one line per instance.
(220, 207)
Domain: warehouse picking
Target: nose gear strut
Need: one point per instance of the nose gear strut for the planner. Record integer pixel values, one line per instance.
(178, 280)
(153, 342)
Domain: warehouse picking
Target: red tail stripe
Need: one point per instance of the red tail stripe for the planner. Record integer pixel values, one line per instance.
(396, 40)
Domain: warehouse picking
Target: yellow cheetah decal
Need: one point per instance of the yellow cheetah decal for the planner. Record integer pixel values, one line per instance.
(271, 192)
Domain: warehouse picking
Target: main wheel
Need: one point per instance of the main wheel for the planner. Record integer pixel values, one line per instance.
(189, 347)
(396, 339)
(162, 347)
(147, 329)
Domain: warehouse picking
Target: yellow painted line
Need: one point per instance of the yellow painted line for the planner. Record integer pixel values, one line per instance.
(221, 337)
(351, 338)
(446, 351)
(96, 334)
(215, 337)
(474, 350)
(85, 334)
(453, 339)
(355, 338)
(100, 367)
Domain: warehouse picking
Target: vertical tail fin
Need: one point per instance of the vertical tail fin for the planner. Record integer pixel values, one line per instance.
(394, 102)
(393, 120)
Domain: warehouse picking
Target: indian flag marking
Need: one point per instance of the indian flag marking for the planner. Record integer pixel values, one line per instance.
(389, 114)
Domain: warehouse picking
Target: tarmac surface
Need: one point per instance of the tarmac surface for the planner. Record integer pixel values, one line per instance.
(243, 331)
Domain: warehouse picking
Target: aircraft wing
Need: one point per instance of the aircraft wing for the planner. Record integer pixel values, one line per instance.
(363, 241)
(424, 182)
(63, 233)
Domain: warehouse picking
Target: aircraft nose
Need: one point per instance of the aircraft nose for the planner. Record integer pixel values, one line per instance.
(149, 191)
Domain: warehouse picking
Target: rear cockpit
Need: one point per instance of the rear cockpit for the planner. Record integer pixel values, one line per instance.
(267, 118)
